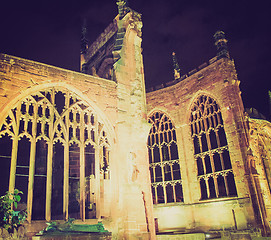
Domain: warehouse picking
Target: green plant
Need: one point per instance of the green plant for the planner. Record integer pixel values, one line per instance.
(9, 218)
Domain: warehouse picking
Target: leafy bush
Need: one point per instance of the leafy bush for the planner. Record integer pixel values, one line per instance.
(9, 218)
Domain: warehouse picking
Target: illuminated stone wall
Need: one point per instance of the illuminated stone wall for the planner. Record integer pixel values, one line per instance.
(22, 79)
(119, 185)
(259, 162)
(123, 201)
(20, 75)
(133, 130)
(216, 80)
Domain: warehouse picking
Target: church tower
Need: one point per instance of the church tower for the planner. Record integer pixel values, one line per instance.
(116, 55)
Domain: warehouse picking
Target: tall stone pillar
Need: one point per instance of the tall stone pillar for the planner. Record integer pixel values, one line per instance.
(135, 203)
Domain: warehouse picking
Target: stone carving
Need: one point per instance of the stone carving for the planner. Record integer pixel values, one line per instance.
(133, 167)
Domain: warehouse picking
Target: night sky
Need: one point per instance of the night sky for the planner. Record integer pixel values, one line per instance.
(49, 32)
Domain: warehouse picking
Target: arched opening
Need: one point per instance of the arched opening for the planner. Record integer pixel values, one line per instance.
(211, 150)
(57, 150)
(164, 160)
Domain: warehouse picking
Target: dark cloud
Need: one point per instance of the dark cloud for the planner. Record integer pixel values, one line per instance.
(49, 31)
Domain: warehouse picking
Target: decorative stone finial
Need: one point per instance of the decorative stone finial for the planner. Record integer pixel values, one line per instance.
(177, 71)
(122, 7)
(84, 41)
(221, 45)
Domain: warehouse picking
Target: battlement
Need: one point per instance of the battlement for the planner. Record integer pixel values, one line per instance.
(190, 73)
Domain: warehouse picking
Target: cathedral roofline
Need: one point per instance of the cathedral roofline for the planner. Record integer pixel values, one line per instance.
(184, 76)
(11, 59)
(222, 53)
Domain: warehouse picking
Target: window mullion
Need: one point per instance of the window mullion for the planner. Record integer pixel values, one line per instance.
(216, 184)
(161, 159)
(200, 143)
(213, 170)
(193, 127)
(14, 152)
(222, 160)
(174, 192)
(217, 137)
(162, 171)
(82, 168)
(153, 173)
(49, 163)
(199, 124)
(207, 187)
(205, 123)
(156, 195)
(66, 160)
(31, 170)
(171, 171)
(173, 185)
(203, 163)
(214, 120)
(226, 184)
(212, 162)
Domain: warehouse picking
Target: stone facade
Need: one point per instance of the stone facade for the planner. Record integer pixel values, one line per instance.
(259, 168)
(109, 116)
(183, 157)
(219, 81)
(248, 145)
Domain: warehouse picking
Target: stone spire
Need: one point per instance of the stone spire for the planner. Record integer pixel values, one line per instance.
(122, 7)
(177, 71)
(84, 41)
(221, 45)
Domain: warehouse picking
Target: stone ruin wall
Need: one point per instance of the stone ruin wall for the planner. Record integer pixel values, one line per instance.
(20, 77)
(218, 80)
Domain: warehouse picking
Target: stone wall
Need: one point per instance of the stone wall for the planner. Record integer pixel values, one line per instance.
(124, 201)
(19, 77)
(219, 81)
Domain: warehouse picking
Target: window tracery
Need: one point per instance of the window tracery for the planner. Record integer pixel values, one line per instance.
(215, 175)
(57, 144)
(164, 160)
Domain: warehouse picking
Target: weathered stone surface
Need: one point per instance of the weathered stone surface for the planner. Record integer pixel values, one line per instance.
(121, 187)
(176, 102)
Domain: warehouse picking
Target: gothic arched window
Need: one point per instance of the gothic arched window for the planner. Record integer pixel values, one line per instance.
(56, 147)
(164, 160)
(211, 151)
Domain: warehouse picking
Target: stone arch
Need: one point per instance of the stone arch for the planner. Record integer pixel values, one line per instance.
(196, 96)
(164, 161)
(211, 151)
(26, 92)
(166, 112)
(39, 106)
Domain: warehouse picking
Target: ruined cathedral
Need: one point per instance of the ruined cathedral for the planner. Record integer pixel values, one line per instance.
(182, 158)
